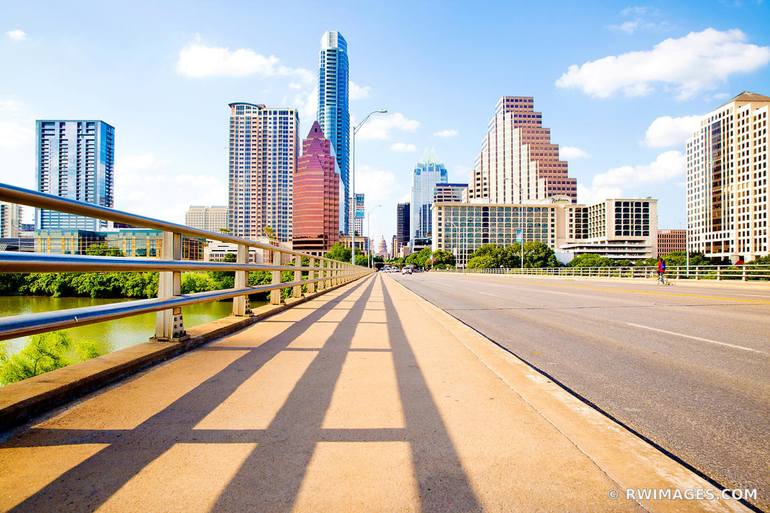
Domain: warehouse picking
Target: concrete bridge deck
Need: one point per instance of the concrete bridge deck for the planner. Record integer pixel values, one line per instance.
(365, 399)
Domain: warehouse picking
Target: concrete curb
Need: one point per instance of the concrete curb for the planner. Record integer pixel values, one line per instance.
(32, 397)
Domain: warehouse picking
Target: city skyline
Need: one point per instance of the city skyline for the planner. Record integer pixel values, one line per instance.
(625, 134)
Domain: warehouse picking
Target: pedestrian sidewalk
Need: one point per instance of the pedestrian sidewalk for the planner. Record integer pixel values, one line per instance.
(367, 399)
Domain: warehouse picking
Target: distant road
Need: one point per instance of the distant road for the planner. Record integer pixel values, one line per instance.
(688, 367)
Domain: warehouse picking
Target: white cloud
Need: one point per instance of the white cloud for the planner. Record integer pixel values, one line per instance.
(614, 182)
(379, 126)
(10, 105)
(446, 133)
(401, 147)
(196, 60)
(16, 35)
(16, 134)
(143, 181)
(358, 92)
(379, 185)
(629, 27)
(696, 62)
(667, 131)
(572, 153)
(638, 18)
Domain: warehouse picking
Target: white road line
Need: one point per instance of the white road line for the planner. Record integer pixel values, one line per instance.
(695, 338)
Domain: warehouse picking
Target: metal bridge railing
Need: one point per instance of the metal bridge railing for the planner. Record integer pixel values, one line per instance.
(693, 272)
(320, 273)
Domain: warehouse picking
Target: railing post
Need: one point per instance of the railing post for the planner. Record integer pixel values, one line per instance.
(311, 274)
(168, 323)
(275, 294)
(297, 290)
(697, 272)
(719, 273)
(241, 303)
(743, 273)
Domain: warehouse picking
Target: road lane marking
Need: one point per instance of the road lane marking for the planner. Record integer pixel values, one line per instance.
(695, 338)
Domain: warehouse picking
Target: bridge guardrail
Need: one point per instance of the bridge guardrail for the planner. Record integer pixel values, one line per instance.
(693, 272)
(320, 273)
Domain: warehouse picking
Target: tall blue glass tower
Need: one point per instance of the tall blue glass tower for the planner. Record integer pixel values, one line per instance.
(333, 113)
(75, 160)
(426, 175)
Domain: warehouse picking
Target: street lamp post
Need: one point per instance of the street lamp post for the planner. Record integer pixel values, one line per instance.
(369, 230)
(352, 199)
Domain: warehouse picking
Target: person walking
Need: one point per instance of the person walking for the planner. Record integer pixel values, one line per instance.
(661, 271)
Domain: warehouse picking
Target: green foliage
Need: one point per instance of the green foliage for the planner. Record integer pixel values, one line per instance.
(590, 260)
(11, 283)
(419, 259)
(491, 255)
(765, 260)
(339, 252)
(539, 254)
(443, 259)
(482, 262)
(103, 250)
(44, 353)
(102, 285)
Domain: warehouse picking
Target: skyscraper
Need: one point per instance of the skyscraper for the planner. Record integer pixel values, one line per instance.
(10, 219)
(263, 159)
(727, 180)
(426, 175)
(213, 219)
(402, 227)
(517, 161)
(316, 195)
(333, 113)
(359, 212)
(75, 160)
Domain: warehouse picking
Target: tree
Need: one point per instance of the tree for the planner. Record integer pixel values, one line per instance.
(590, 260)
(339, 252)
(420, 259)
(269, 232)
(539, 254)
(443, 259)
(482, 262)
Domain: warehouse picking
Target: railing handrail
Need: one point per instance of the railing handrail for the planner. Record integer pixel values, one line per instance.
(169, 326)
(20, 195)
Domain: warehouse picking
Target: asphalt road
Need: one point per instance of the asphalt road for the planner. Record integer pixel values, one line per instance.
(686, 366)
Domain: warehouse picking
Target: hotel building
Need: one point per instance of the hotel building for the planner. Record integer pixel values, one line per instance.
(263, 160)
(402, 228)
(75, 160)
(450, 192)
(518, 162)
(727, 188)
(614, 228)
(333, 113)
(316, 195)
(213, 219)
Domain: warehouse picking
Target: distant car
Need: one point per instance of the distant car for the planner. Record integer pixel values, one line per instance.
(406, 270)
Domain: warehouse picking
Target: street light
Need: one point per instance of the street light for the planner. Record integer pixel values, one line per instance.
(369, 230)
(352, 198)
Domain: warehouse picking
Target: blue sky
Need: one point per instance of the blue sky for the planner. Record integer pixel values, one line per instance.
(618, 83)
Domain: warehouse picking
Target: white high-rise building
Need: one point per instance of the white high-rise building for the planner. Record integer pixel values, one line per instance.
(213, 219)
(425, 178)
(517, 161)
(727, 189)
(264, 148)
(10, 220)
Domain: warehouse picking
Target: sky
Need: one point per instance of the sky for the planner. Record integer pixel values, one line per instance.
(621, 86)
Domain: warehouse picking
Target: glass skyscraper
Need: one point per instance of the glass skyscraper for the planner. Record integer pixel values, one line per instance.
(75, 160)
(333, 113)
(426, 176)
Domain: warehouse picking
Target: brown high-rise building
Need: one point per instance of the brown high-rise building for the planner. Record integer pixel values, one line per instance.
(517, 161)
(316, 195)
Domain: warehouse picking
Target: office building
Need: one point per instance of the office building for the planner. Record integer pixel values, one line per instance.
(426, 175)
(447, 192)
(402, 227)
(132, 242)
(10, 220)
(316, 195)
(75, 160)
(210, 218)
(517, 162)
(359, 213)
(263, 160)
(614, 228)
(671, 240)
(727, 181)
(333, 113)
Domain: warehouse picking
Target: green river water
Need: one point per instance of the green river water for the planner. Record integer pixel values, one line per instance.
(118, 333)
